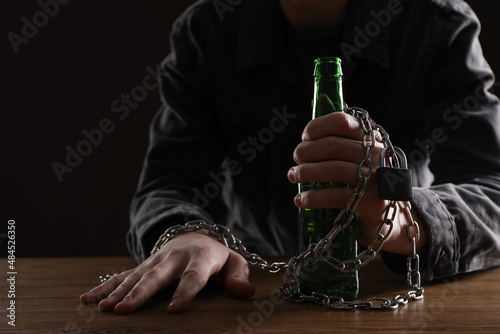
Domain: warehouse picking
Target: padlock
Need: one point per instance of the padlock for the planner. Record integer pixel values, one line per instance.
(394, 182)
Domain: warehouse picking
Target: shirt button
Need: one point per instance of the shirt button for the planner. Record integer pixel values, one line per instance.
(443, 261)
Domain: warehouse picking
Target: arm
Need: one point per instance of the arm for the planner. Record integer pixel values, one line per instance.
(462, 206)
(459, 214)
(186, 145)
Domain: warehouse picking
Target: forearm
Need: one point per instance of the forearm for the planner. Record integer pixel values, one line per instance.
(460, 229)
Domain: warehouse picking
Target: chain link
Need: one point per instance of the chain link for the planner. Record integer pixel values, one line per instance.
(320, 251)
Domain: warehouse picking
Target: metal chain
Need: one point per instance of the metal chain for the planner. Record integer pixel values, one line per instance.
(320, 251)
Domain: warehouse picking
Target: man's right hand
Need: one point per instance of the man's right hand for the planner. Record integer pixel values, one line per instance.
(191, 258)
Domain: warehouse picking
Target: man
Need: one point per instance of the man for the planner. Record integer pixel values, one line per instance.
(237, 90)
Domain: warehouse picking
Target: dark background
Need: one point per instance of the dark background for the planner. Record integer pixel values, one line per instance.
(64, 81)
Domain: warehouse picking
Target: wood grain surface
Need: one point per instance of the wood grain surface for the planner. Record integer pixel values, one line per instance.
(48, 290)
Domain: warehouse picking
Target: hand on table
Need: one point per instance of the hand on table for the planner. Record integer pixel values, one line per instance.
(191, 258)
(331, 151)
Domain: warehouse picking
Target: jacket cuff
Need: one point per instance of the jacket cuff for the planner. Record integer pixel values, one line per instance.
(442, 250)
(440, 256)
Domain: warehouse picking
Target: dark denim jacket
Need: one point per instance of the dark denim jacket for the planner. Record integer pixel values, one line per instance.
(235, 102)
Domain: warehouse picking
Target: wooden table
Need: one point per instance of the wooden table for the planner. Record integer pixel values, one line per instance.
(47, 292)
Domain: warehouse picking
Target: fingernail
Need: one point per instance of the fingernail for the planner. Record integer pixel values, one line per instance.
(173, 302)
(291, 174)
(124, 301)
(298, 200)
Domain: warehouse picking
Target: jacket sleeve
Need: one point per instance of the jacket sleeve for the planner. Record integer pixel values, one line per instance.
(185, 146)
(462, 207)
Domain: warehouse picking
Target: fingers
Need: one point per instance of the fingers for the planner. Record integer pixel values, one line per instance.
(120, 292)
(196, 275)
(133, 296)
(193, 279)
(236, 279)
(121, 288)
(191, 258)
(332, 151)
(334, 124)
(337, 136)
(326, 171)
(327, 148)
(324, 198)
(103, 290)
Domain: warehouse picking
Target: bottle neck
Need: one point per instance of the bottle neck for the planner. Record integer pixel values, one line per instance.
(328, 95)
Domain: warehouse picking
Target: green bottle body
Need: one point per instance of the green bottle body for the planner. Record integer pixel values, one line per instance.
(315, 224)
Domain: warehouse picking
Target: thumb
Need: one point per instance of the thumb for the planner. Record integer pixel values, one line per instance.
(236, 277)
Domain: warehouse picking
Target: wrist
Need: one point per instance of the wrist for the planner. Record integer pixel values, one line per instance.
(409, 225)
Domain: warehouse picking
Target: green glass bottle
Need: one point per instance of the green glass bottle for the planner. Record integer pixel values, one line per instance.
(314, 224)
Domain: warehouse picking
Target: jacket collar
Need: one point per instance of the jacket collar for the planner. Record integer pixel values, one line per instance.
(263, 33)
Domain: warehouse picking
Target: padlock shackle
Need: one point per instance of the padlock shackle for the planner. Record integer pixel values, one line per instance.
(398, 156)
